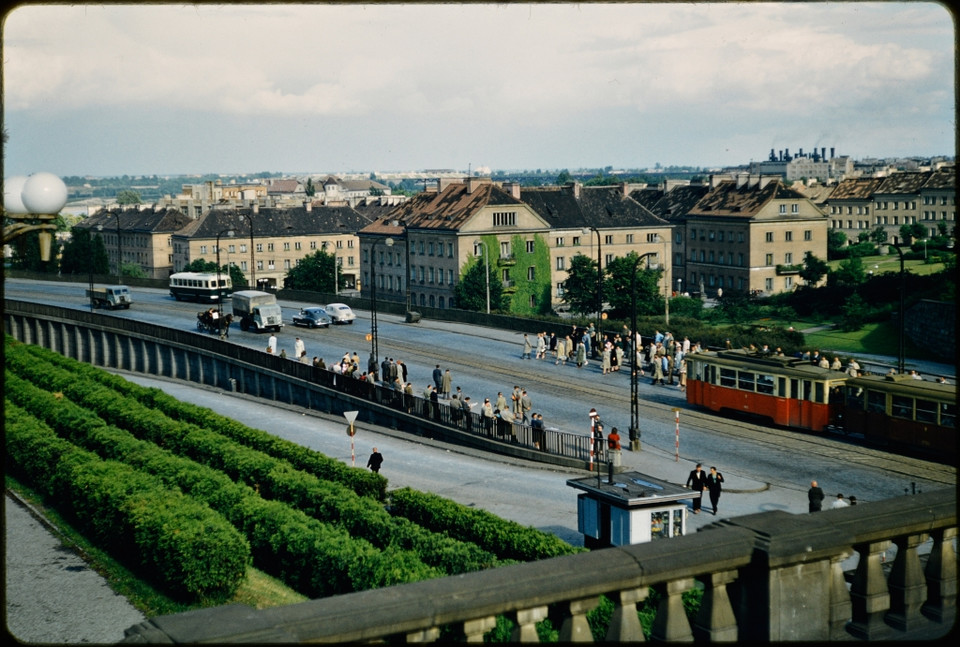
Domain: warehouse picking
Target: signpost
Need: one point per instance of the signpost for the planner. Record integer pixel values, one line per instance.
(351, 416)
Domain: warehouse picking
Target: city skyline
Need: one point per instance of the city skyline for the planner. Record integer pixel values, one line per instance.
(166, 89)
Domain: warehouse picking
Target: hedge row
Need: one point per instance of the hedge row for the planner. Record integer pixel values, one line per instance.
(169, 538)
(311, 557)
(508, 539)
(274, 479)
(361, 481)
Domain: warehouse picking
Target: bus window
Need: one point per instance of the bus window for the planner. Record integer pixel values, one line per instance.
(746, 381)
(926, 411)
(902, 407)
(728, 378)
(876, 402)
(948, 414)
(765, 384)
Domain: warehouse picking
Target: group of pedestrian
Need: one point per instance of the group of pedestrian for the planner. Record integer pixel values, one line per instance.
(700, 481)
(815, 497)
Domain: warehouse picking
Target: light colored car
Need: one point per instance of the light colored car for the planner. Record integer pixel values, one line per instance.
(312, 318)
(340, 313)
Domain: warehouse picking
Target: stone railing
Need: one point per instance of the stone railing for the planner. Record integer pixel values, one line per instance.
(772, 576)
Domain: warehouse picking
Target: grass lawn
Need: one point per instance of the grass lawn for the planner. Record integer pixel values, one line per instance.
(891, 263)
(873, 339)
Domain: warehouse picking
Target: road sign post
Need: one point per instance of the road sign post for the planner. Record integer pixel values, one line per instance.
(351, 416)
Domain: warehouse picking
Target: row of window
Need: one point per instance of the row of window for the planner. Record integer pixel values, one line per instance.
(902, 406)
(729, 282)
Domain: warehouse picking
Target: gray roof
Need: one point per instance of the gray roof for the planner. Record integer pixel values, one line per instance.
(295, 221)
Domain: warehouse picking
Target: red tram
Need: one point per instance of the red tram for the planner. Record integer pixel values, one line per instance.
(787, 390)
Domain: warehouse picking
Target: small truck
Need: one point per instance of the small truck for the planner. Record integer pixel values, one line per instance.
(111, 296)
(257, 310)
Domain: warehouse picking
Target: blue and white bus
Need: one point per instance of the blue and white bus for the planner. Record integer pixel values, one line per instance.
(200, 286)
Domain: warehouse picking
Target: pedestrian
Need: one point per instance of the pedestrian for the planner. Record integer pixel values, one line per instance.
(486, 412)
(501, 402)
(437, 378)
(714, 485)
(303, 357)
(657, 371)
(525, 405)
(541, 345)
(435, 404)
(581, 355)
(447, 384)
(598, 439)
(272, 344)
(815, 496)
(283, 353)
(613, 440)
(605, 359)
(683, 375)
(375, 461)
(561, 352)
(853, 500)
(298, 347)
(853, 368)
(527, 348)
(697, 481)
(515, 401)
(839, 503)
(536, 427)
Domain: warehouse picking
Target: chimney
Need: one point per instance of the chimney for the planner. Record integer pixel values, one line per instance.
(823, 153)
(308, 205)
(742, 179)
(831, 153)
(513, 188)
(781, 154)
(576, 190)
(800, 154)
(256, 207)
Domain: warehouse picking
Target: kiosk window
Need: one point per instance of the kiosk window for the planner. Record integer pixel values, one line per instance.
(660, 524)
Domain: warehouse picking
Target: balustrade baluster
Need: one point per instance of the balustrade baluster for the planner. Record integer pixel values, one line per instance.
(428, 635)
(475, 629)
(715, 622)
(941, 573)
(841, 608)
(624, 623)
(908, 588)
(576, 629)
(869, 595)
(526, 629)
(671, 624)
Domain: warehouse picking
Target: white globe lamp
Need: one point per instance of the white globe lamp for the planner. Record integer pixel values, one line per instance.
(44, 193)
(12, 188)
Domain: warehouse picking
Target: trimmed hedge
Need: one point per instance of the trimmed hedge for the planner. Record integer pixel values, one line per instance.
(361, 481)
(312, 557)
(172, 539)
(508, 539)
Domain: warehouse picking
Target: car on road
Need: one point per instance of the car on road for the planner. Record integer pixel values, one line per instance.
(315, 317)
(340, 313)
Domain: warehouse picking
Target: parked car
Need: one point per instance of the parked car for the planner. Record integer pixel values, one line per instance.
(340, 313)
(312, 318)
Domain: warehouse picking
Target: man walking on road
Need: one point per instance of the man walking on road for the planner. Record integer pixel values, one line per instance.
(815, 497)
(375, 460)
(714, 485)
(697, 481)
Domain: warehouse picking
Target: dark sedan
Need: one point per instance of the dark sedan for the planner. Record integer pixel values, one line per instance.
(312, 318)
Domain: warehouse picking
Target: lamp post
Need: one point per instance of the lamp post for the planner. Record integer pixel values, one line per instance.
(903, 289)
(374, 361)
(228, 232)
(336, 269)
(635, 365)
(486, 266)
(119, 250)
(93, 302)
(253, 271)
(587, 230)
(32, 204)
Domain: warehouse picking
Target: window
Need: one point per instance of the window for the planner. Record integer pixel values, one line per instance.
(504, 219)
(788, 283)
(728, 378)
(783, 209)
(608, 240)
(560, 289)
(720, 236)
(788, 236)
(530, 246)
(768, 236)
(560, 242)
(788, 258)
(232, 249)
(313, 244)
(561, 263)
(768, 285)
(269, 247)
(243, 249)
(768, 259)
(794, 208)
(431, 274)
(349, 244)
(297, 246)
(740, 259)
(286, 264)
(259, 247)
(630, 238)
(807, 235)
(505, 249)
(576, 241)
(926, 411)
(430, 249)
(902, 407)
(745, 381)
(450, 279)
(449, 250)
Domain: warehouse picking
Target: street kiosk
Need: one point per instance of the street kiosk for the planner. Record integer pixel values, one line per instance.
(629, 508)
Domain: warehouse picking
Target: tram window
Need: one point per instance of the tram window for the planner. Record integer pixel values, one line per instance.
(782, 387)
(902, 407)
(794, 389)
(819, 392)
(948, 415)
(728, 378)
(746, 381)
(807, 387)
(926, 411)
(876, 402)
(765, 384)
(855, 398)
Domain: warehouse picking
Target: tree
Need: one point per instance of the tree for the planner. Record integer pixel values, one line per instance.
(471, 291)
(878, 235)
(133, 270)
(309, 188)
(908, 233)
(563, 177)
(851, 272)
(580, 288)
(128, 196)
(315, 273)
(854, 313)
(84, 253)
(836, 239)
(618, 288)
(814, 269)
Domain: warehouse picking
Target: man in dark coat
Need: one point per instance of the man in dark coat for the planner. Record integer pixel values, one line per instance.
(815, 496)
(375, 460)
(697, 481)
(714, 484)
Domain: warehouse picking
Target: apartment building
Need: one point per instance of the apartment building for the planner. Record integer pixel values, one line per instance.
(938, 200)
(268, 242)
(141, 237)
(751, 234)
(850, 206)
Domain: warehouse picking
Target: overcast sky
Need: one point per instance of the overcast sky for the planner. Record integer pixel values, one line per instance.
(167, 89)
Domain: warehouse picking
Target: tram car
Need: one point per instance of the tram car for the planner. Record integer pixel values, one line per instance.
(786, 390)
(202, 287)
(902, 412)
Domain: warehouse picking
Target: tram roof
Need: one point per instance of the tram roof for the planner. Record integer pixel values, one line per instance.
(746, 360)
(907, 385)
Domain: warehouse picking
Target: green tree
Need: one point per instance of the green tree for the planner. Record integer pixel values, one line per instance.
(128, 196)
(911, 232)
(133, 270)
(315, 272)
(851, 272)
(309, 189)
(84, 253)
(471, 291)
(618, 288)
(814, 269)
(563, 177)
(853, 313)
(878, 235)
(580, 287)
(836, 239)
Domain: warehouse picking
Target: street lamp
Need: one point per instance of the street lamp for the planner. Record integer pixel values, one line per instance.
(374, 361)
(228, 232)
(119, 249)
(486, 265)
(93, 302)
(32, 204)
(635, 368)
(903, 290)
(253, 272)
(587, 230)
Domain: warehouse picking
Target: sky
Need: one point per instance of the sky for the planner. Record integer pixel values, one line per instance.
(101, 89)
